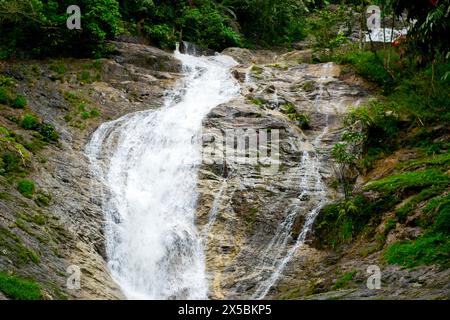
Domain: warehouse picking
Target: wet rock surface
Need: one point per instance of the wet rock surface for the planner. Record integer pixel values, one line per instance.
(135, 78)
(261, 210)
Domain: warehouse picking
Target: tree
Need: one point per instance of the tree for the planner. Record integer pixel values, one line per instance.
(39, 27)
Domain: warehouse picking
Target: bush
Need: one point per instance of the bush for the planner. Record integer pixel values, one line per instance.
(342, 222)
(85, 115)
(26, 188)
(268, 22)
(19, 102)
(18, 288)
(42, 200)
(11, 162)
(161, 34)
(208, 28)
(48, 133)
(94, 113)
(29, 122)
(301, 119)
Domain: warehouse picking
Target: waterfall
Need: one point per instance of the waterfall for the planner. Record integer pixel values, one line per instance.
(147, 163)
(277, 253)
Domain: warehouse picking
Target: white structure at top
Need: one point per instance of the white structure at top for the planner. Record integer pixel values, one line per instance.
(384, 34)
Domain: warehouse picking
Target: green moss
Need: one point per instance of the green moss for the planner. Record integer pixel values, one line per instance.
(82, 107)
(18, 288)
(433, 247)
(5, 96)
(308, 86)
(60, 68)
(71, 97)
(428, 249)
(257, 101)
(417, 179)
(301, 119)
(411, 204)
(84, 76)
(435, 160)
(256, 69)
(26, 188)
(15, 248)
(5, 196)
(97, 64)
(343, 281)
(42, 200)
(36, 144)
(250, 217)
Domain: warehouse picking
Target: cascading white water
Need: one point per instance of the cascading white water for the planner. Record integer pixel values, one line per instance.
(148, 163)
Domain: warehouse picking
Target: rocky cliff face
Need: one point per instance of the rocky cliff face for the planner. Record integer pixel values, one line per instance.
(64, 93)
(255, 216)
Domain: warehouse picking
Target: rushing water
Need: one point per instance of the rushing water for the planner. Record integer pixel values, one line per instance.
(147, 162)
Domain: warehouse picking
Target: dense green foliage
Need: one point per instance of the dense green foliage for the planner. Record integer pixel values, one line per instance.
(412, 114)
(343, 222)
(17, 288)
(39, 27)
(26, 187)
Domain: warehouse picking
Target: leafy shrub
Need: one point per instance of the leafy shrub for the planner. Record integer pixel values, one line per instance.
(269, 22)
(19, 102)
(208, 28)
(11, 162)
(94, 113)
(42, 200)
(18, 288)
(6, 81)
(48, 132)
(161, 34)
(29, 122)
(340, 223)
(301, 119)
(26, 188)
